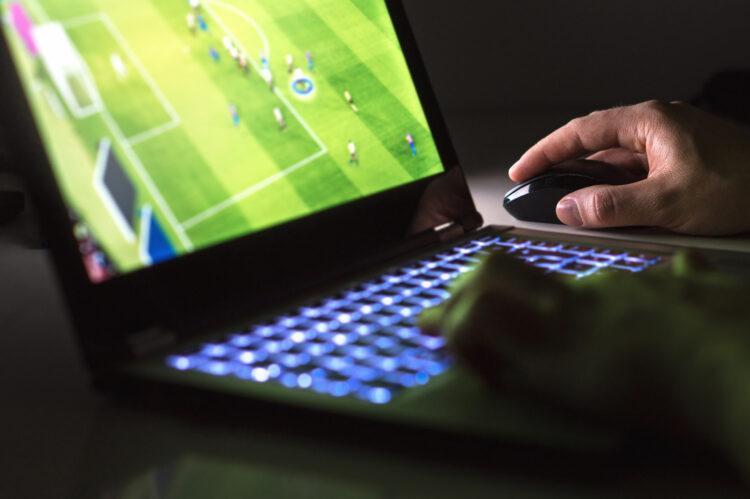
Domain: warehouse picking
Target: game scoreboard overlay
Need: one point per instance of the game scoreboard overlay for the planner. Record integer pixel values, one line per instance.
(175, 125)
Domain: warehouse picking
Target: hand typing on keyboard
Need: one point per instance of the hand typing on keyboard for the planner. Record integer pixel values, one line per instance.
(669, 348)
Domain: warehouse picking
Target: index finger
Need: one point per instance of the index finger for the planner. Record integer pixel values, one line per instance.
(623, 127)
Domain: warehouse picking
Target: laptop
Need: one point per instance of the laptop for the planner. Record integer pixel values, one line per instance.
(253, 200)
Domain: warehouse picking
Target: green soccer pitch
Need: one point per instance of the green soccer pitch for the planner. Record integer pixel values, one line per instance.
(165, 106)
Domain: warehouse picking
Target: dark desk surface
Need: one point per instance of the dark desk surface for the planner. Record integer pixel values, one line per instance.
(60, 438)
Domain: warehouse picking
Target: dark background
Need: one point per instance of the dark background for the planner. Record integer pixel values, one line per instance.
(521, 68)
(506, 72)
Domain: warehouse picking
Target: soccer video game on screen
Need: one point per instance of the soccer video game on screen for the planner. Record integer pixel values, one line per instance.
(174, 125)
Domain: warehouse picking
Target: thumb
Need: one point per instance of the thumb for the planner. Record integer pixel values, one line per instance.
(612, 206)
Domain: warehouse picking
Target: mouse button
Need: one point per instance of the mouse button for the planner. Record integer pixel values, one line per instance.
(536, 208)
(545, 182)
(516, 192)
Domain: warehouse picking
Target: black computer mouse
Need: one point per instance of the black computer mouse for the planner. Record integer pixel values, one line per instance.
(536, 199)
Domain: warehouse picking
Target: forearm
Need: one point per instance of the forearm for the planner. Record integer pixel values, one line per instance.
(729, 408)
(707, 365)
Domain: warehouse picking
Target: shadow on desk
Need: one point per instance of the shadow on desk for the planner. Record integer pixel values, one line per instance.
(131, 452)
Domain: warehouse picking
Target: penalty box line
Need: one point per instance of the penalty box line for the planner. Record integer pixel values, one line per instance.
(174, 118)
(250, 191)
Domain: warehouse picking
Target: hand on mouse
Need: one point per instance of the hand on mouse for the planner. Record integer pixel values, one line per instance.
(698, 169)
(611, 345)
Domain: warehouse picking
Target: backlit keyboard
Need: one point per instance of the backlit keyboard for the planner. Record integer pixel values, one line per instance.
(363, 342)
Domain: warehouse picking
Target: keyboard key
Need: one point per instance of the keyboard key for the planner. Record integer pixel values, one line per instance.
(357, 352)
(333, 362)
(184, 362)
(375, 394)
(382, 363)
(319, 349)
(244, 340)
(291, 360)
(361, 373)
(250, 356)
(216, 367)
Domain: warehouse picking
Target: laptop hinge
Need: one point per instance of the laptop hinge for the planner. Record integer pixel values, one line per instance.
(450, 231)
(150, 341)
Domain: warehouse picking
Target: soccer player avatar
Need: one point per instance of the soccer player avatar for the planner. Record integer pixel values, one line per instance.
(267, 76)
(412, 144)
(214, 54)
(243, 63)
(235, 114)
(310, 61)
(228, 43)
(350, 101)
(192, 23)
(289, 63)
(202, 24)
(264, 60)
(353, 155)
(234, 52)
(279, 118)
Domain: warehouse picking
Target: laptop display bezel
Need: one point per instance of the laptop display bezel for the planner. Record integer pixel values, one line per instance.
(251, 273)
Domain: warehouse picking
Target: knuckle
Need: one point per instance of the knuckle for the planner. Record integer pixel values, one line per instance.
(579, 123)
(666, 204)
(603, 206)
(657, 111)
(656, 105)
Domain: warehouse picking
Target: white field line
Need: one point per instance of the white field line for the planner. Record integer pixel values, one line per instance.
(146, 214)
(53, 101)
(90, 81)
(77, 22)
(105, 146)
(250, 20)
(153, 133)
(241, 196)
(304, 124)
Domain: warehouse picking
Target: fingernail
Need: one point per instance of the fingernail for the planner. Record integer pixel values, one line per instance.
(568, 213)
(512, 168)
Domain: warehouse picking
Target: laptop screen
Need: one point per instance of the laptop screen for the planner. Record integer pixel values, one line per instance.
(177, 125)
